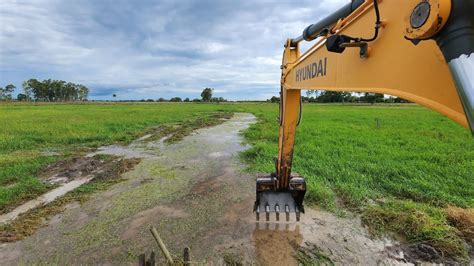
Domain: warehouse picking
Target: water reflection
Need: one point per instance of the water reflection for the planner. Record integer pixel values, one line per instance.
(276, 243)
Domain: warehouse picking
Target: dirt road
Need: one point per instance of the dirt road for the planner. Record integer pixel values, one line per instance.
(195, 193)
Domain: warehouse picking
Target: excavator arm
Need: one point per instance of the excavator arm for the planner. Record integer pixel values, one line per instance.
(420, 50)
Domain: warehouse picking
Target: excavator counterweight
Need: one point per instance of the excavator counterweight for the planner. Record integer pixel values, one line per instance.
(420, 50)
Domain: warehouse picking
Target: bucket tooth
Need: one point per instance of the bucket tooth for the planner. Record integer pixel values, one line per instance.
(270, 198)
(297, 211)
(277, 212)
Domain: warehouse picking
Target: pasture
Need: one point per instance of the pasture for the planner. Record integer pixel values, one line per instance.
(399, 167)
(33, 136)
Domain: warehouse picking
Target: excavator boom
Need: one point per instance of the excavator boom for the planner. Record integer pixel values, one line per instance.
(420, 50)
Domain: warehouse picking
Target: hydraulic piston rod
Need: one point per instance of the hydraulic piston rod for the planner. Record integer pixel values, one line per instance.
(319, 28)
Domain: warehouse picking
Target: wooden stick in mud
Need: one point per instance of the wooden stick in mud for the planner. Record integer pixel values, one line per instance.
(161, 245)
(186, 256)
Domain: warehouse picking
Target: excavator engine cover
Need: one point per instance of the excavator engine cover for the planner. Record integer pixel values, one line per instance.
(269, 199)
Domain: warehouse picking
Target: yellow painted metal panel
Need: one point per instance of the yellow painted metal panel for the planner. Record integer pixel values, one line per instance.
(394, 66)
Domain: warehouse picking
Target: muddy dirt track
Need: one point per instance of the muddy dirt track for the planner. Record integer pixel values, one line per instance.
(195, 193)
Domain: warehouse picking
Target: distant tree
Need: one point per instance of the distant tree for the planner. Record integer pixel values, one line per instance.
(333, 97)
(6, 93)
(27, 89)
(186, 100)
(161, 99)
(21, 97)
(275, 99)
(55, 90)
(83, 92)
(379, 97)
(206, 94)
(400, 100)
(175, 99)
(372, 97)
(10, 87)
(218, 99)
(150, 100)
(196, 100)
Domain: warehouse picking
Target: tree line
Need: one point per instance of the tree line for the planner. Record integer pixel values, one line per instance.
(321, 96)
(206, 96)
(47, 91)
(6, 93)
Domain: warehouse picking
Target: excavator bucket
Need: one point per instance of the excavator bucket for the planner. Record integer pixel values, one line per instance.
(269, 199)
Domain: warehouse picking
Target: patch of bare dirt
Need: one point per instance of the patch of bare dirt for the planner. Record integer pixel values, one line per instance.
(107, 171)
(104, 167)
(277, 246)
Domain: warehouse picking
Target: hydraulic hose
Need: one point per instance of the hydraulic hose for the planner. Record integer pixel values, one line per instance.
(377, 23)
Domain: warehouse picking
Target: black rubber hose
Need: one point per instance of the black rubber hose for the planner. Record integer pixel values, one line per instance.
(301, 111)
(377, 23)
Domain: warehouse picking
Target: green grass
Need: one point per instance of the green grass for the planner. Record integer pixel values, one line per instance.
(411, 160)
(415, 160)
(418, 222)
(414, 154)
(27, 131)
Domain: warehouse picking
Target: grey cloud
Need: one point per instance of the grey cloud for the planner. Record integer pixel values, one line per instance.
(149, 49)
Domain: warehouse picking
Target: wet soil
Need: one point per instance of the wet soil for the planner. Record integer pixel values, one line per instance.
(101, 171)
(195, 193)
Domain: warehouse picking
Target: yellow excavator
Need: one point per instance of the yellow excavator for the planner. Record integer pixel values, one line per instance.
(420, 50)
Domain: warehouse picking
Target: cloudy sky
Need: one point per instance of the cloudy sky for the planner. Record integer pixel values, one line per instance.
(151, 49)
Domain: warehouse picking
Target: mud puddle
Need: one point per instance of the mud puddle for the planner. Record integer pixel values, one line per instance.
(195, 193)
(44, 199)
(67, 175)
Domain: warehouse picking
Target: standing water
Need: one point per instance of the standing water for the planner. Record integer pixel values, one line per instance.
(196, 194)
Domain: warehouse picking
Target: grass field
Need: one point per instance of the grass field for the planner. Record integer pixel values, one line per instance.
(414, 154)
(400, 167)
(29, 133)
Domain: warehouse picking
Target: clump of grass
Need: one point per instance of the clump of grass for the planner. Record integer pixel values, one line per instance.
(177, 132)
(463, 219)
(312, 255)
(27, 223)
(232, 259)
(418, 223)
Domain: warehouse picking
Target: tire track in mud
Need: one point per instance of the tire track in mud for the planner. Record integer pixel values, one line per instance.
(195, 193)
